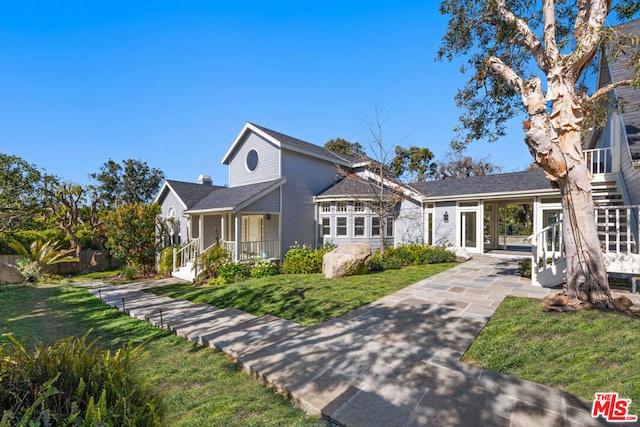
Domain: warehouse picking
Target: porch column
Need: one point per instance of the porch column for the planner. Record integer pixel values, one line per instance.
(223, 228)
(201, 234)
(238, 224)
(615, 137)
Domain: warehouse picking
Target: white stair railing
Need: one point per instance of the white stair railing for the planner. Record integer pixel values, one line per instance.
(547, 256)
(187, 254)
(598, 160)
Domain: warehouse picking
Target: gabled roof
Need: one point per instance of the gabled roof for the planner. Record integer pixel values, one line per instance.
(189, 193)
(513, 183)
(287, 142)
(350, 187)
(235, 198)
(620, 70)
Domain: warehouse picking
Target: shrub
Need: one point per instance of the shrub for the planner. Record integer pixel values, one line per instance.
(410, 254)
(231, 272)
(129, 272)
(165, 264)
(263, 268)
(210, 260)
(525, 267)
(73, 382)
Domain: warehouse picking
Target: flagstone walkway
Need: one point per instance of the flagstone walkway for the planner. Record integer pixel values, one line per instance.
(395, 362)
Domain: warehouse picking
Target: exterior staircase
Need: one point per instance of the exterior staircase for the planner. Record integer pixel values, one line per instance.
(617, 225)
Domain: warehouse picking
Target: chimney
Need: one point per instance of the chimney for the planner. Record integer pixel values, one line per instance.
(205, 180)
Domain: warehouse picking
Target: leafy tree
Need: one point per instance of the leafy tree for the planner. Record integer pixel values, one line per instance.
(131, 234)
(21, 192)
(131, 182)
(533, 58)
(413, 163)
(342, 146)
(460, 166)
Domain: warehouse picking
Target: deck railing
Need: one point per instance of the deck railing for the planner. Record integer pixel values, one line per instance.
(265, 249)
(599, 160)
(618, 233)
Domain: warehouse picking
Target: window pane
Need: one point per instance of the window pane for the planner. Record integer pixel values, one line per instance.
(341, 226)
(389, 226)
(326, 226)
(341, 207)
(358, 207)
(325, 207)
(358, 226)
(375, 226)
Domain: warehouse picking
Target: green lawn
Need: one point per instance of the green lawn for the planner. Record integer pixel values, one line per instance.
(581, 353)
(307, 299)
(200, 386)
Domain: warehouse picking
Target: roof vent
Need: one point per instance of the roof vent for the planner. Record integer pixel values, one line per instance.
(205, 180)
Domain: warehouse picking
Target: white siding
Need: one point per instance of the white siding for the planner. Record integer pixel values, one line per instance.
(306, 177)
(172, 201)
(268, 161)
(410, 223)
(444, 232)
(631, 175)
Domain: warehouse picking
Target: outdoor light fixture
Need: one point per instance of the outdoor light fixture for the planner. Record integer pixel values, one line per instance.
(446, 217)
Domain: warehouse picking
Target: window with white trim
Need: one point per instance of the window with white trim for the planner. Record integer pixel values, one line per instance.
(358, 207)
(358, 226)
(325, 207)
(341, 226)
(375, 226)
(326, 226)
(389, 226)
(341, 207)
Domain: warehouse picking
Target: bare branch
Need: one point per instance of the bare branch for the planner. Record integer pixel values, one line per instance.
(532, 42)
(590, 21)
(605, 90)
(549, 35)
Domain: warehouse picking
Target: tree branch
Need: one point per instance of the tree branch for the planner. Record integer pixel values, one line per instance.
(530, 39)
(590, 20)
(606, 89)
(549, 35)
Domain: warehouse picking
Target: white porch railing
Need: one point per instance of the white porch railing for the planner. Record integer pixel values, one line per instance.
(599, 160)
(256, 249)
(618, 233)
(187, 254)
(548, 264)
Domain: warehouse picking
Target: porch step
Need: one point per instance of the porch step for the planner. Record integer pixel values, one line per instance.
(185, 273)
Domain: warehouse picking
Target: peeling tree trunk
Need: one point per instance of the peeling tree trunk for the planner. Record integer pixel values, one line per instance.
(554, 140)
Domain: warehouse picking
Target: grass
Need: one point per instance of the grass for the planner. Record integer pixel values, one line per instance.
(307, 299)
(199, 386)
(581, 353)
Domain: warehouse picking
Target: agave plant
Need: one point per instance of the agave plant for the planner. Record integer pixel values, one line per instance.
(39, 255)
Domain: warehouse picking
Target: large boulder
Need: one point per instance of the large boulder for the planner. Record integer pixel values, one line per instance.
(346, 260)
(462, 255)
(10, 274)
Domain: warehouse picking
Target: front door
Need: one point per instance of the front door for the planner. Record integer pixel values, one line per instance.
(252, 228)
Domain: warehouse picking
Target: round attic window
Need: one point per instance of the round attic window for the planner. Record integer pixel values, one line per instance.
(252, 160)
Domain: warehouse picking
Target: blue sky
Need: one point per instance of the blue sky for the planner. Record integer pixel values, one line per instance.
(172, 82)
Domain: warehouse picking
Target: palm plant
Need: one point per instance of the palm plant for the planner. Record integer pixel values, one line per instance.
(39, 255)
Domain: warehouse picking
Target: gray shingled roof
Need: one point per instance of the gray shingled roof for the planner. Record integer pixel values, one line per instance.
(351, 186)
(290, 141)
(191, 193)
(231, 197)
(513, 182)
(621, 71)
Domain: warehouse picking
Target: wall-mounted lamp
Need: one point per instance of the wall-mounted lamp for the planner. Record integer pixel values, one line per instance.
(446, 217)
(267, 217)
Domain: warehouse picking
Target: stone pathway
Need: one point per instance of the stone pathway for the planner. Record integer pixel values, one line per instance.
(395, 362)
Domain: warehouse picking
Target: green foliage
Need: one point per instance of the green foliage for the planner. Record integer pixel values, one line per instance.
(231, 272)
(133, 182)
(39, 255)
(342, 146)
(130, 272)
(131, 234)
(525, 267)
(21, 192)
(209, 261)
(263, 268)
(74, 382)
(415, 163)
(457, 165)
(410, 254)
(301, 259)
(165, 264)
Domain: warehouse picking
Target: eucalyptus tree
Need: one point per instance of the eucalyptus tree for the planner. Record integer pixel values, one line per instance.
(533, 57)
